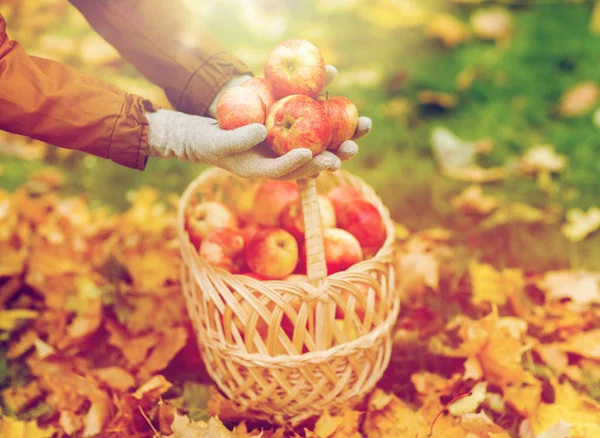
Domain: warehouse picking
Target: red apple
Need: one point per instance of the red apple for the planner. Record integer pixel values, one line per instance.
(224, 248)
(343, 117)
(363, 220)
(295, 67)
(297, 121)
(292, 220)
(341, 195)
(238, 107)
(206, 217)
(270, 200)
(342, 250)
(273, 253)
(250, 230)
(263, 88)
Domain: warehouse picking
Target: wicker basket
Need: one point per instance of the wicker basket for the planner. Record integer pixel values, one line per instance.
(284, 351)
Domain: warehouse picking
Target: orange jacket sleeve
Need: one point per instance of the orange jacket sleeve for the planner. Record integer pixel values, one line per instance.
(152, 35)
(54, 103)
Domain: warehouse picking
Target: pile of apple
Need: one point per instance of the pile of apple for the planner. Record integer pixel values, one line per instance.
(263, 237)
(289, 103)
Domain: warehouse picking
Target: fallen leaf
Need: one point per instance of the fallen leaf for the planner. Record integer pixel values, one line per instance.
(581, 287)
(468, 405)
(450, 151)
(542, 158)
(326, 425)
(494, 23)
(448, 29)
(183, 427)
(20, 398)
(476, 174)
(387, 416)
(586, 344)
(482, 425)
(472, 368)
(595, 19)
(156, 385)
(571, 407)
(491, 286)
(517, 212)
(473, 201)
(581, 224)
(15, 319)
(579, 99)
(553, 355)
(115, 377)
(13, 428)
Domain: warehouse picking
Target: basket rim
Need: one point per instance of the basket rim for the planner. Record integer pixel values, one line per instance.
(386, 248)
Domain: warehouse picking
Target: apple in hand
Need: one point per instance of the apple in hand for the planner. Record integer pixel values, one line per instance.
(343, 117)
(224, 248)
(342, 195)
(295, 67)
(270, 200)
(240, 106)
(263, 88)
(363, 220)
(342, 250)
(273, 253)
(206, 217)
(293, 221)
(297, 121)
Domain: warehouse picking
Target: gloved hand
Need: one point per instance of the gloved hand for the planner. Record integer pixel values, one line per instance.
(240, 151)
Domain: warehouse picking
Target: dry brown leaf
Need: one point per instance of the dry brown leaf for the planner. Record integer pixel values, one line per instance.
(115, 378)
(134, 349)
(155, 386)
(517, 212)
(580, 223)
(524, 396)
(20, 398)
(170, 342)
(473, 201)
(448, 29)
(494, 23)
(579, 99)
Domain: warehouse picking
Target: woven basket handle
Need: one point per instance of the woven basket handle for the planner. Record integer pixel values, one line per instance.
(316, 269)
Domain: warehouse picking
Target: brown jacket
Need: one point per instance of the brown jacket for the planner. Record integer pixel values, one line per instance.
(53, 102)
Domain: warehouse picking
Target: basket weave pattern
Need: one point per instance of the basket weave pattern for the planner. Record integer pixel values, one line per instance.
(285, 351)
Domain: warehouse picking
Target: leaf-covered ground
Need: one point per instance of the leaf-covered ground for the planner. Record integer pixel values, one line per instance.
(485, 145)
(96, 341)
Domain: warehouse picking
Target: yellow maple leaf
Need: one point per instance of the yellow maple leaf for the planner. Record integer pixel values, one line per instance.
(468, 405)
(388, 417)
(13, 428)
(571, 406)
(493, 286)
(341, 425)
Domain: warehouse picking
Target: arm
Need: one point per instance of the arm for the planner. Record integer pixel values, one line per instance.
(54, 103)
(150, 34)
